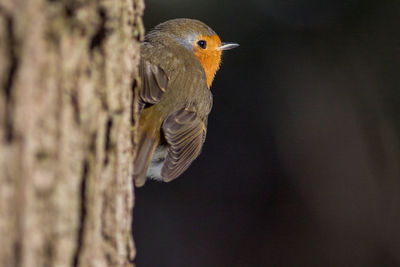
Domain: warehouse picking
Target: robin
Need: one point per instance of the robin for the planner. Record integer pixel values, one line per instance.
(179, 59)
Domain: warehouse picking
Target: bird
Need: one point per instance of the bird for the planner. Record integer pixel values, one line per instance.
(179, 60)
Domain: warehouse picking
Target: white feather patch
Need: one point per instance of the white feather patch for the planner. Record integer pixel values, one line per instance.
(157, 162)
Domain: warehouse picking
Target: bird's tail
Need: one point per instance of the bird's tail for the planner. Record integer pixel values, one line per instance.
(148, 139)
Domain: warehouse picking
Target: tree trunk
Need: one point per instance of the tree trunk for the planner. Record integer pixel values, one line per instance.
(67, 110)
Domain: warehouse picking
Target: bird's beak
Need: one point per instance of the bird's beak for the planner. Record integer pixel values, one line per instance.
(227, 46)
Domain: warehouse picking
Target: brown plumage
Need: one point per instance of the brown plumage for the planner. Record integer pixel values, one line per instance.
(179, 59)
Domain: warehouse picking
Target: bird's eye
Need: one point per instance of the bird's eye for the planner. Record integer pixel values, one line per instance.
(202, 44)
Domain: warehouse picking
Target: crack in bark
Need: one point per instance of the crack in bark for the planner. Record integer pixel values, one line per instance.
(135, 108)
(101, 33)
(12, 46)
(48, 248)
(75, 107)
(131, 244)
(134, 88)
(17, 253)
(92, 143)
(70, 7)
(107, 142)
(82, 215)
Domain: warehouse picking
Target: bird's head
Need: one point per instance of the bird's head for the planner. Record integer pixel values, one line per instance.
(199, 39)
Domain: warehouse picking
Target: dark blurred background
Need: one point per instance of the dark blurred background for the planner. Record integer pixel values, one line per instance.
(301, 166)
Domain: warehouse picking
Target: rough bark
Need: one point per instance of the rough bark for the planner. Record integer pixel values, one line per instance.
(67, 111)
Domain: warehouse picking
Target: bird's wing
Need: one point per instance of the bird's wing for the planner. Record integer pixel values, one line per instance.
(154, 83)
(185, 133)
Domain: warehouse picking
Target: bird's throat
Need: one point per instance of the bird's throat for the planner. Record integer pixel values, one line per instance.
(210, 66)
